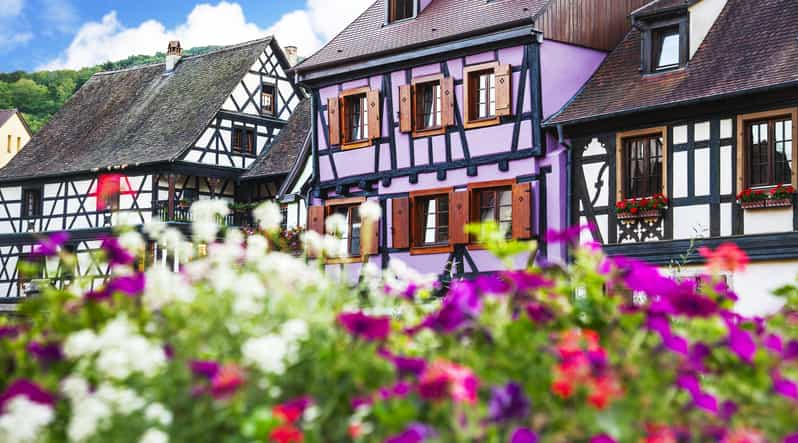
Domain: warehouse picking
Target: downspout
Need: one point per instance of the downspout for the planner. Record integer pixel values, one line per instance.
(568, 174)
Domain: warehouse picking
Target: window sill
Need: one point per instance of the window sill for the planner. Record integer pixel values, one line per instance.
(767, 204)
(440, 130)
(429, 250)
(473, 124)
(243, 153)
(652, 214)
(343, 260)
(355, 145)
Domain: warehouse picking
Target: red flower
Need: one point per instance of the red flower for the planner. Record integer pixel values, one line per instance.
(727, 257)
(645, 202)
(634, 210)
(355, 430)
(603, 391)
(286, 434)
(287, 414)
(227, 381)
(621, 205)
(562, 388)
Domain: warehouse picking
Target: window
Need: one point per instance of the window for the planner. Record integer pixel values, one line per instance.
(352, 234)
(495, 205)
(767, 141)
(19, 143)
(428, 105)
(267, 99)
(356, 118)
(243, 140)
(641, 169)
(400, 10)
(108, 190)
(283, 217)
(666, 48)
(432, 220)
(487, 94)
(31, 203)
(8, 147)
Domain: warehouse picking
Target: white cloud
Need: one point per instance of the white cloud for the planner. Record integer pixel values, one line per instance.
(220, 24)
(10, 41)
(11, 8)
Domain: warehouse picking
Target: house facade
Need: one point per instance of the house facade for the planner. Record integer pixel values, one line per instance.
(141, 145)
(685, 137)
(434, 110)
(14, 134)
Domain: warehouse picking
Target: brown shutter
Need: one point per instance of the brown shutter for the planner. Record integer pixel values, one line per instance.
(406, 108)
(400, 228)
(316, 219)
(374, 244)
(375, 120)
(334, 120)
(522, 211)
(504, 90)
(447, 102)
(458, 217)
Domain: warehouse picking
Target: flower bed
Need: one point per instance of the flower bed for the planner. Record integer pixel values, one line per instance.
(246, 345)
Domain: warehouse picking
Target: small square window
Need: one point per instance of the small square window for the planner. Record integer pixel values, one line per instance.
(400, 10)
(356, 118)
(31, 203)
(267, 99)
(432, 220)
(243, 140)
(666, 48)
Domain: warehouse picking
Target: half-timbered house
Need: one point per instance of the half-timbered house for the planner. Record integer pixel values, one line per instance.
(142, 144)
(684, 135)
(433, 108)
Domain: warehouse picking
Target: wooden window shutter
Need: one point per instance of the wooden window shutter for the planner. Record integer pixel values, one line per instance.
(375, 120)
(406, 108)
(316, 219)
(504, 90)
(400, 228)
(374, 244)
(447, 102)
(522, 211)
(458, 217)
(334, 120)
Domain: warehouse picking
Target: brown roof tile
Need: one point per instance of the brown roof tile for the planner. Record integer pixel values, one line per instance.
(288, 144)
(440, 21)
(751, 46)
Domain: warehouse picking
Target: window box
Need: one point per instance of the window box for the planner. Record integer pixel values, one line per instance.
(651, 214)
(778, 197)
(763, 204)
(652, 208)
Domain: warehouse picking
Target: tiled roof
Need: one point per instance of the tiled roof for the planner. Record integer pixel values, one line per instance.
(752, 45)
(657, 6)
(442, 20)
(284, 152)
(135, 116)
(6, 114)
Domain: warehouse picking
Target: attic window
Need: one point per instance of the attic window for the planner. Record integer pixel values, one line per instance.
(665, 44)
(400, 10)
(666, 48)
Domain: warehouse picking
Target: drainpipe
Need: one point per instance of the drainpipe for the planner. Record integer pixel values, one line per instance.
(568, 175)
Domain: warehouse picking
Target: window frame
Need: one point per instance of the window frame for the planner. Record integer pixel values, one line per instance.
(415, 227)
(649, 46)
(743, 147)
(329, 209)
(475, 189)
(469, 96)
(344, 118)
(273, 110)
(38, 210)
(389, 10)
(620, 158)
(244, 130)
(417, 83)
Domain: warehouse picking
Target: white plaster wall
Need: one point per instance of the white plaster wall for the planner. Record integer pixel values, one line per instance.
(691, 222)
(13, 137)
(679, 135)
(726, 172)
(701, 172)
(702, 16)
(764, 221)
(680, 176)
(592, 171)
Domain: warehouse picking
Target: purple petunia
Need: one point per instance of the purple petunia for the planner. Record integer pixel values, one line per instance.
(686, 301)
(742, 343)
(415, 433)
(570, 235)
(698, 352)
(508, 402)
(791, 438)
(492, 284)
(115, 253)
(539, 313)
(705, 401)
(640, 276)
(790, 351)
(784, 387)
(406, 366)
(9, 331)
(676, 344)
(603, 438)
(205, 368)
(727, 410)
(50, 246)
(129, 285)
(45, 353)
(524, 281)
(689, 383)
(459, 308)
(399, 390)
(523, 435)
(364, 326)
(29, 389)
(773, 343)
(659, 323)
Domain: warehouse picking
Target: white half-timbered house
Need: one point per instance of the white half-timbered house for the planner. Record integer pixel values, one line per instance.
(700, 106)
(141, 144)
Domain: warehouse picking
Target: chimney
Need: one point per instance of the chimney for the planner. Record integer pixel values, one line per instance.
(291, 54)
(173, 54)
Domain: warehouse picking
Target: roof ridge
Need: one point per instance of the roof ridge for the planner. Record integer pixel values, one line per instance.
(268, 38)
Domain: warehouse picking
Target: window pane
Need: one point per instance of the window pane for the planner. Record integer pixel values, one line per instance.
(759, 157)
(644, 167)
(668, 44)
(429, 105)
(354, 228)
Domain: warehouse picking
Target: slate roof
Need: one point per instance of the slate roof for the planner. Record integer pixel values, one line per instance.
(286, 147)
(135, 116)
(442, 20)
(752, 46)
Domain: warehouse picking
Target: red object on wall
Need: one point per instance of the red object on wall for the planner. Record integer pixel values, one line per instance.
(109, 188)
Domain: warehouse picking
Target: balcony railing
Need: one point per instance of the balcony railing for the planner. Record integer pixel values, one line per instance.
(182, 214)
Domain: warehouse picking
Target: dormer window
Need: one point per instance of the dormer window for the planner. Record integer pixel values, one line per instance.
(401, 10)
(665, 44)
(666, 48)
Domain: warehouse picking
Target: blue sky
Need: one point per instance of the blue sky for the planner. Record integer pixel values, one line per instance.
(53, 34)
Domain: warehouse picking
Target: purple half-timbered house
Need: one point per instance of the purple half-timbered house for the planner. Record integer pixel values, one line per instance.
(433, 108)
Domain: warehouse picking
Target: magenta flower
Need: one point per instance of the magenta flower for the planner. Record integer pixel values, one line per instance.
(29, 389)
(129, 285)
(45, 353)
(399, 390)
(492, 284)
(689, 383)
(603, 438)
(415, 433)
(659, 323)
(774, 343)
(523, 435)
(790, 351)
(570, 235)
(9, 331)
(727, 410)
(115, 253)
(676, 344)
(785, 387)
(539, 313)
(50, 246)
(205, 368)
(459, 308)
(686, 301)
(705, 401)
(524, 281)
(364, 326)
(741, 343)
(405, 366)
(639, 276)
(698, 352)
(791, 438)
(508, 402)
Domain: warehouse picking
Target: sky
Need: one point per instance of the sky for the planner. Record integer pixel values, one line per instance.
(70, 34)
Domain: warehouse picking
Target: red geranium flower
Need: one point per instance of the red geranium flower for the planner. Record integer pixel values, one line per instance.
(727, 257)
(634, 210)
(286, 434)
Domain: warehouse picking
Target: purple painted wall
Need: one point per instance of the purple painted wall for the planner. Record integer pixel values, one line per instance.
(564, 70)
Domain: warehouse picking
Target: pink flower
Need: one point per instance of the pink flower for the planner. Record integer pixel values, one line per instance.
(745, 436)
(227, 381)
(444, 378)
(27, 388)
(727, 257)
(364, 326)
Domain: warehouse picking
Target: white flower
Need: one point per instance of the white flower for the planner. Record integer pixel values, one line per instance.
(75, 388)
(294, 330)
(164, 287)
(268, 216)
(370, 210)
(266, 353)
(24, 421)
(154, 436)
(234, 236)
(335, 224)
(123, 400)
(335, 247)
(257, 247)
(132, 241)
(154, 229)
(86, 418)
(114, 363)
(158, 413)
(206, 210)
(311, 413)
(80, 344)
(205, 232)
(313, 243)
